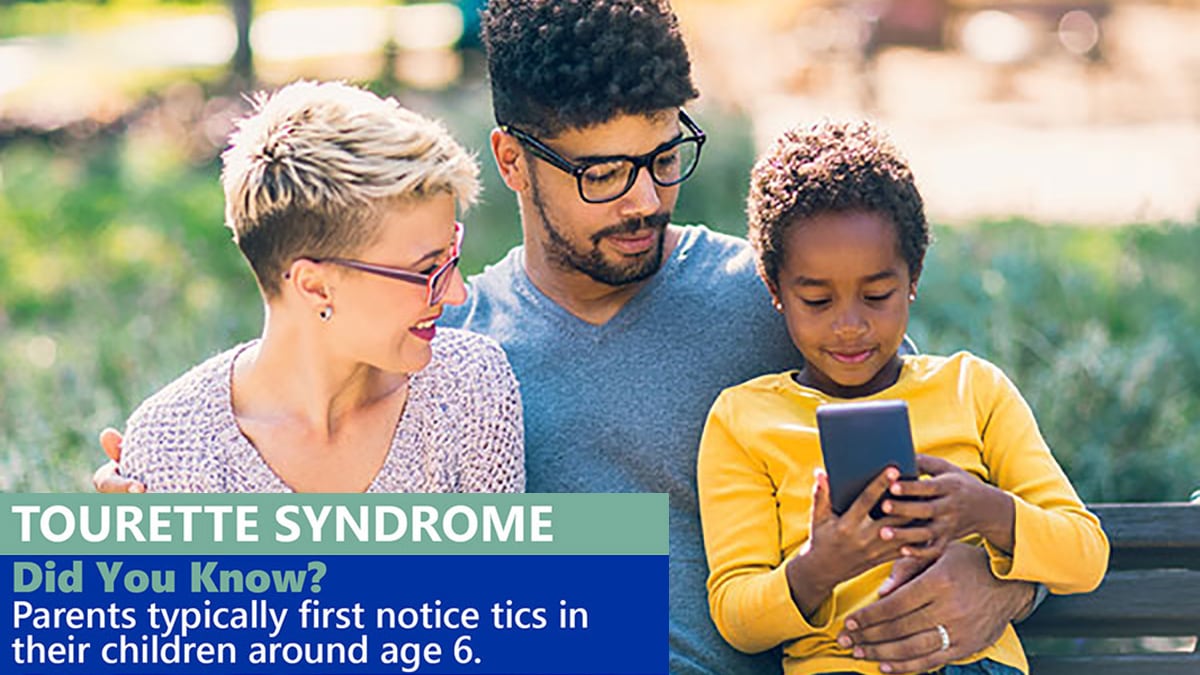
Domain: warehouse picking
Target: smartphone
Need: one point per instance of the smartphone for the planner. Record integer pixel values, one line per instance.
(858, 440)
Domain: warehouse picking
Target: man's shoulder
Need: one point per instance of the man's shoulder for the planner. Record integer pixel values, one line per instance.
(722, 255)
(500, 275)
(494, 289)
(715, 272)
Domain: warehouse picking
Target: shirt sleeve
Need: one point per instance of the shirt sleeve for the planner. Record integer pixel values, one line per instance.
(748, 594)
(1057, 541)
(162, 450)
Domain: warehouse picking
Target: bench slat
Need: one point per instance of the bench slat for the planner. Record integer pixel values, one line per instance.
(1132, 603)
(1152, 589)
(1126, 664)
(1151, 526)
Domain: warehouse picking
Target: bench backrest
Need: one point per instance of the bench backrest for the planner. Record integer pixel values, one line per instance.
(1152, 589)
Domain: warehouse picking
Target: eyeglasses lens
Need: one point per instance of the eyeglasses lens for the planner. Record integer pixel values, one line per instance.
(609, 180)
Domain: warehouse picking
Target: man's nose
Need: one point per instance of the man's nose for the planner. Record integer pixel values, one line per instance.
(642, 199)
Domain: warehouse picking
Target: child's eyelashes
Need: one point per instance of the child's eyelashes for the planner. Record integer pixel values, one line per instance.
(873, 298)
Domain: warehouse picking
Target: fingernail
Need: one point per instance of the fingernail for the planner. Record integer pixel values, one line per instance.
(887, 507)
(886, 668)
(895, 488)
(859, 653)
(851, 624)
(893, 474)
(886, 585)
(845, 641)
(137, 488)
(904, 550)
(886, 533)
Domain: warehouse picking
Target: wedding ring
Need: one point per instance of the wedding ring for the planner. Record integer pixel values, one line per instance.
(945, 635)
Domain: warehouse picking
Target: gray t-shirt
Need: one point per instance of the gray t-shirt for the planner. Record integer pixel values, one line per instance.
(620, 407)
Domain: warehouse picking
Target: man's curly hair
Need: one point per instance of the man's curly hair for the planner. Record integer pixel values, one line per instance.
(568, 64)
(832, 167)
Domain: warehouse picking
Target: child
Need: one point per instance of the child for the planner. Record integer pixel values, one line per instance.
(840, 233)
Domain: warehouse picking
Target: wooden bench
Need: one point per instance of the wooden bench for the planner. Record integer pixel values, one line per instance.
(1152, 589)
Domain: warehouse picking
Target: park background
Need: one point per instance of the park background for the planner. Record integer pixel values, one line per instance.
(1057, 145)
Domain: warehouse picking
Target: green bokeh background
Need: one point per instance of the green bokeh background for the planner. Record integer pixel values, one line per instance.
(116, 275)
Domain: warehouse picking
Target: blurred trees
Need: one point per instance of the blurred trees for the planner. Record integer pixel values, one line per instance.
(242, 65)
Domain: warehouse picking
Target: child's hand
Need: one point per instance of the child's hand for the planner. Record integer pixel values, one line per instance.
(955, 504)
(853, 542)
(842, 547)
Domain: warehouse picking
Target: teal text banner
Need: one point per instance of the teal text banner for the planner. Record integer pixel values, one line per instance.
(337, 524)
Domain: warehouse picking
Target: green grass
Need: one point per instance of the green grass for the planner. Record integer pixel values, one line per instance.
(116, 274)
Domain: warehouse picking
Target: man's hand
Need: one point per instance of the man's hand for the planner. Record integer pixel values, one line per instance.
(957, 592)
(108, 478)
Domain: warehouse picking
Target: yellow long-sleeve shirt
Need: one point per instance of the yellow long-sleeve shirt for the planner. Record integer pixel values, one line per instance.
(755, 473)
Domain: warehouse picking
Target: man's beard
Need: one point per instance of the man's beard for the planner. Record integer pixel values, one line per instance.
(565, 255)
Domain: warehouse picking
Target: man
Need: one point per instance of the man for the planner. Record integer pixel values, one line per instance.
(623, 329)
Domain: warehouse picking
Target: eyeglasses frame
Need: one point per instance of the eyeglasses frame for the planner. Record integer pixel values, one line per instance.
(545, 153)
(428, 280)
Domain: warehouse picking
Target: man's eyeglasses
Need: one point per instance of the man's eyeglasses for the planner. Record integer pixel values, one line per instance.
(608, 178)
(436, 282)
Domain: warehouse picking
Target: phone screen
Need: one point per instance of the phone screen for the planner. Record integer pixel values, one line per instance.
(858, 440)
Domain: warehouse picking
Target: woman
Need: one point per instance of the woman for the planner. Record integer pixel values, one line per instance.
(344, 206)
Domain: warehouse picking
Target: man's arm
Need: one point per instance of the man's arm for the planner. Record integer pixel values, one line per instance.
(957, 592)
(108, 478)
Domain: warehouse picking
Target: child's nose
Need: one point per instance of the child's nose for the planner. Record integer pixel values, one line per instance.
(850, 323)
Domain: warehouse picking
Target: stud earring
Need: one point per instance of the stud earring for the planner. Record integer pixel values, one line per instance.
(326, 313)
(778, 306)
(912, 297)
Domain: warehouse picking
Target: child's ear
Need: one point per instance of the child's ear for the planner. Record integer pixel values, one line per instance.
(912, 287)
(774, 291)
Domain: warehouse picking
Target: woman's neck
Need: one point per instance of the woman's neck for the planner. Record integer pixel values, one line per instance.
(291, 376)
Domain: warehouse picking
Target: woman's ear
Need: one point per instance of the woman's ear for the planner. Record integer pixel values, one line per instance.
(310, 282)
(509, 161)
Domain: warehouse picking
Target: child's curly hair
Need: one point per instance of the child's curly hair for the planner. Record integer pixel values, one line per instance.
(832, 167)
(568, 64)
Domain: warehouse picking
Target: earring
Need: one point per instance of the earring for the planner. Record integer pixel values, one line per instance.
(326, 313)
(912, 297)
(778, 306)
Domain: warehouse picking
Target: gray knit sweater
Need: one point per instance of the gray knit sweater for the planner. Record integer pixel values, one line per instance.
(461, 429)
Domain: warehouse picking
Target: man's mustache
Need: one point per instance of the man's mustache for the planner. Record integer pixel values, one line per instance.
(657, 221)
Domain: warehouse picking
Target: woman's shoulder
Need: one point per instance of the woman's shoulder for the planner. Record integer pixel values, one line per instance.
(457, 350)
(469, 373)
(196, 390)
(177, 432)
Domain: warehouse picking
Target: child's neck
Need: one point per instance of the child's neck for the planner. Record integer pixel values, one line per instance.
(885, 377)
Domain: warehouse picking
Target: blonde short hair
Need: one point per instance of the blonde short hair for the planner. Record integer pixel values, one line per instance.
(306, 172)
